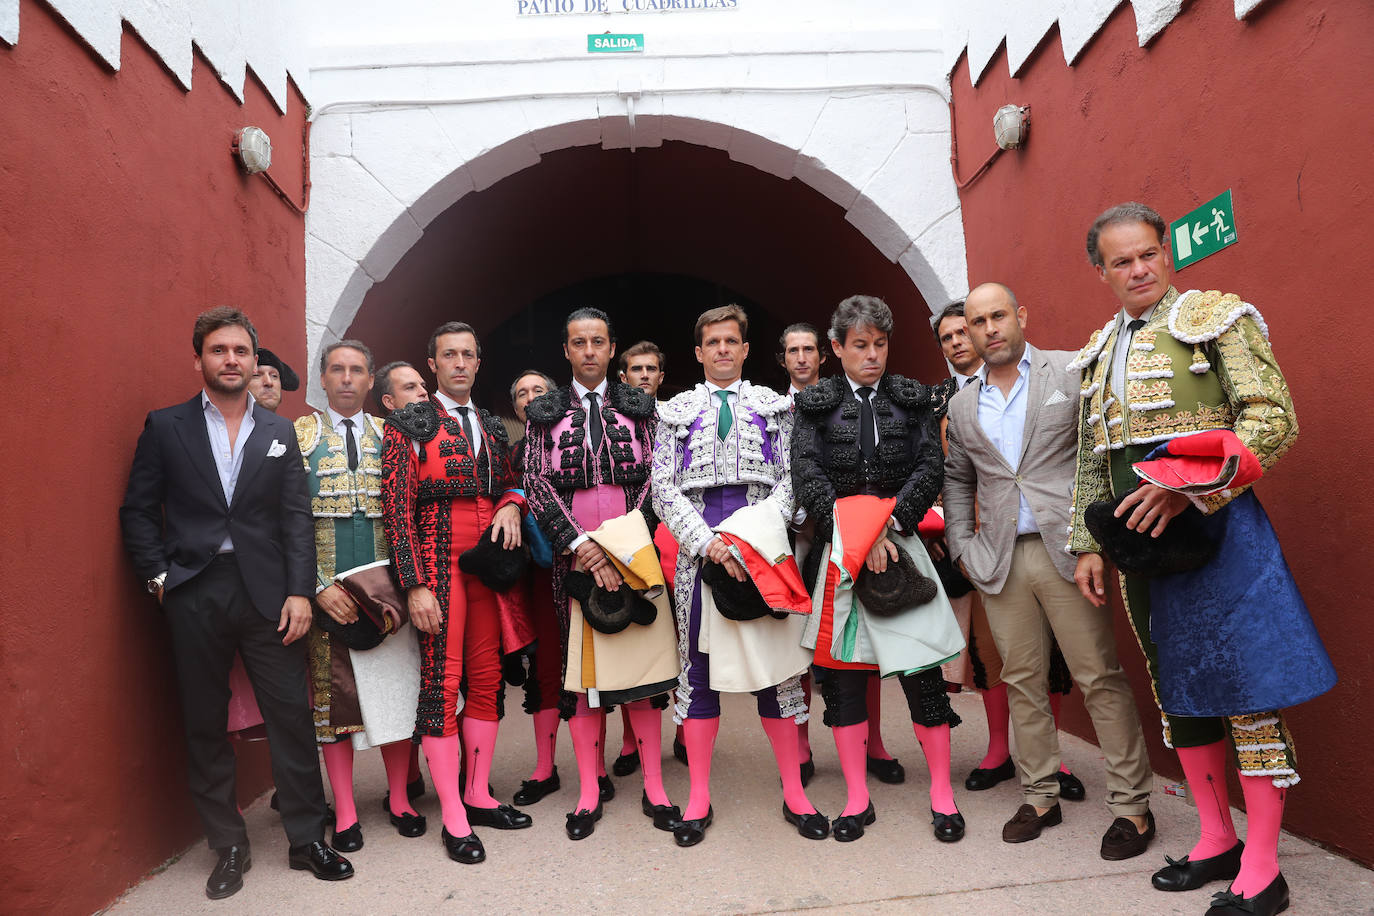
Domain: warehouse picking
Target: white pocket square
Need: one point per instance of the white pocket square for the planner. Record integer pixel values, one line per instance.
(1058, 397)
(276, 449)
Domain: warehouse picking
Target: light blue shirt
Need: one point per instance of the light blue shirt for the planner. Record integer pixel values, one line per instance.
(1004, 421)
(228, 458)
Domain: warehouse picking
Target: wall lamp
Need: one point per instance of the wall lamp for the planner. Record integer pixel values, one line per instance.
(1010, 126)
(253, 148)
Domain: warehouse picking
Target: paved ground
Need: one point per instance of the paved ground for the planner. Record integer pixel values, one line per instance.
(751, 861)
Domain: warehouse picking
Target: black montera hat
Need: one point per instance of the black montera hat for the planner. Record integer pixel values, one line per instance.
(289, 380)
(1183, 546)
(901, 586)
(497, 567)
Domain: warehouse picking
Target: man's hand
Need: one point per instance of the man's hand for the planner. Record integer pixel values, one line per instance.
(295, 619)
(1091, 576)
(936, 548)
(882, 553)
(338, 603)
(424, 609)
(1151, 505)
(507, 521)
(593, 559)
(717, 551)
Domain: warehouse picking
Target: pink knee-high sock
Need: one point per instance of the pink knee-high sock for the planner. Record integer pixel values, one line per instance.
(851, 742)
(396, 762)
(414, 772)
(627, 731)
(700, 737)
(998, 712)
(1259, 862)
(804, 730)
(1205, 769)
(586, 741)
(338, 763)
(647, 734)
(935, 742)
(545, 742)
(479, 744)
(1056, 704)
(601, 746)
(781, 734)
(442, 755)
(873, 697)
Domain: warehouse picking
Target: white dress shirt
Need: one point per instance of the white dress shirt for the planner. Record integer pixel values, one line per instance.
(1120, 352)
(1004, 421)
(228, 456)
(474, 419)
(582, 391)
(336, 420)
(855, 386)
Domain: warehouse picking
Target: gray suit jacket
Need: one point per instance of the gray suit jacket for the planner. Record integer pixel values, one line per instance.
(976, 472)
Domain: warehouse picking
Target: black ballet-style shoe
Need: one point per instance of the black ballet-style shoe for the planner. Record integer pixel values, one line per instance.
(502, 817)
(605, 788)
(227, 878)
(849, 827)
(626, 764)
(1269, 902)
(1185, 874)
(690, 833)
(466, 850)
(350, 840)
(813, 826)
(808, 770)
(532, 790)
(949, 828)
(980, 778)
(582, 823)
(1070, 787)
(407, 824)
(889, 771)
(666, 817)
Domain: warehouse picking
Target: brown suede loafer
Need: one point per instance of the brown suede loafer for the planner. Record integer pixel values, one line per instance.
(1026, 824)
(1123, 841)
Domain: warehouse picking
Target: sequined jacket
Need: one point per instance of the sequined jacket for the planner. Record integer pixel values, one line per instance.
(908, 462)
(689, 457)
(426, 463)
(1201, 362)
(559, 461)
(337, 492)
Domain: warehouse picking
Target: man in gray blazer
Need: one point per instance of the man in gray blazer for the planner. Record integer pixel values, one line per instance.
(1013, 437)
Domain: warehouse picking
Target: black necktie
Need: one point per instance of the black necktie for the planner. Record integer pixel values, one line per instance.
(868, 438)
(467, 428)
(352, 446)
(1134, 325)
(594, 421)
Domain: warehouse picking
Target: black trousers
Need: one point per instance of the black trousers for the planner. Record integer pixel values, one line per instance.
(211, 617)
(846, 700)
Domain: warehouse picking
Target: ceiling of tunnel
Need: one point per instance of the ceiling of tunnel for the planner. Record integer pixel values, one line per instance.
(589, 214)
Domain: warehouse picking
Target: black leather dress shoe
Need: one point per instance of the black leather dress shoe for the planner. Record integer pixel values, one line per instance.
(350, 840)
(949, 828)
(680, 751)
(227, 878)
(532, 790)
(1070, 787)
(605, 788)
(502, 817)
(808, 770)
(407, 824)
(813, 826)
(1186, 875)
(1268, 902)
(888, 771)
(316, 857)
(690, 833)
(582, 823)
(849, 827)
(666, 817)
(626, 764)
(980, 779)
(464, 849)
(1123, 841)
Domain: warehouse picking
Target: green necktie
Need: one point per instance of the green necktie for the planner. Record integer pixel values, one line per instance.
(725, 417)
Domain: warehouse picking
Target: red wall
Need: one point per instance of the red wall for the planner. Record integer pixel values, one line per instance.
(1274, 108)
(124, 216)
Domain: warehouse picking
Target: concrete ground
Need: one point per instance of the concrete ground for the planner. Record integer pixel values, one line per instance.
(751, 860)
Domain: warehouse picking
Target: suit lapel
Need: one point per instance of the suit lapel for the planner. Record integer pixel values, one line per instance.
(1035, 398)
(972, 422)
(191, 430)
(254, 451)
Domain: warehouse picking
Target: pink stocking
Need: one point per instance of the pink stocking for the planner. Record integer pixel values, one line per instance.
(935, 742)
(1205, 769)
(873, 698)
(851, 741)
(442, 755)
(545, 742)
(627, 731)
(1056, 704)
(396, 761)
(700, 737)
(644, 725)
(1259, 862)
(601, 745)
(479, 743)
(586, 730)
(998, 712)
(780, 734)
(414, 772)
(338, 763)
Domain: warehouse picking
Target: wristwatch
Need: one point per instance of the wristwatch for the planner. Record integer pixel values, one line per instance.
(154, 585)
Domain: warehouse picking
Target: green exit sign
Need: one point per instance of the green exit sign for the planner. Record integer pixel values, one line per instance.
(614, 44)
(1205, 231)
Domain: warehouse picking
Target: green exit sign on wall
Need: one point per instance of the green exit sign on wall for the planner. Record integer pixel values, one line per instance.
(614, 44)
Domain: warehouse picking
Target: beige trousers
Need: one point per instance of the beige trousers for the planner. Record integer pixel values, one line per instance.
(1037, 604)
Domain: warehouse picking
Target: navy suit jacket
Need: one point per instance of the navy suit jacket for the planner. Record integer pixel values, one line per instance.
(175, 517)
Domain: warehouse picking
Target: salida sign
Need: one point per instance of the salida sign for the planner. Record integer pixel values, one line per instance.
(592, 7)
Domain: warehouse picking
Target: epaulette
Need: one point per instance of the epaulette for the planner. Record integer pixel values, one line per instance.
(822, 397)
(764, 401)
(550, 407)
(1088, 355)
(681, 409)
(378, 424)
(308, 432)
(495, 427)
(419, 421)
(906, 392)
(631, 400)
(1198, 317)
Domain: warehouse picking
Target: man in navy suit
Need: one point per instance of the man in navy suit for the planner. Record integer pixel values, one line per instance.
(217, 521)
